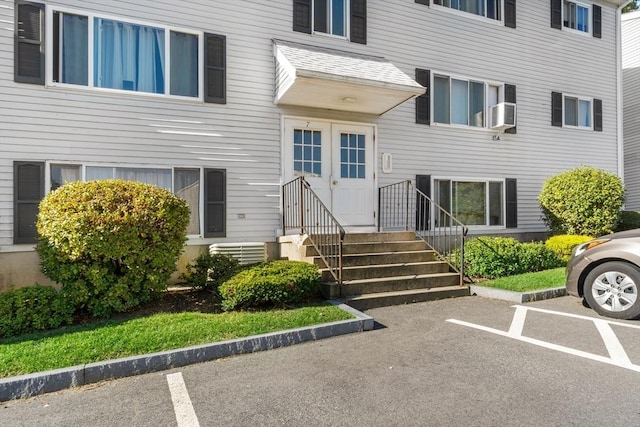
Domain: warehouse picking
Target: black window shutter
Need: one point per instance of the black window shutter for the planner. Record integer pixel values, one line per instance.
(359, 21)
(423, 102)
(424, 2)
(511, 197)
(215, 193)
(28, 191)
(423, 184)
(215, 76)
(597, 21)
(510, 13)
(556, 14)
(597, 115)
(29, 43)
(556, 109)
(320, 16)
(510, 96)
(302, 16)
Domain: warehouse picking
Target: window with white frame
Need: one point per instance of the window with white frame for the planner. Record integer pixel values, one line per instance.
(578, 112)
(465, 102)
(183, 182)
(491, 9)
(330, 17)
(472, 202)
(94, 51)
(576, 16)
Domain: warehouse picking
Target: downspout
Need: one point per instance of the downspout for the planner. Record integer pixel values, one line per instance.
(619, 115)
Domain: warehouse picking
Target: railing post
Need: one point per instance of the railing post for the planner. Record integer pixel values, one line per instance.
(379, 208)
(406, 212)
(301, 204)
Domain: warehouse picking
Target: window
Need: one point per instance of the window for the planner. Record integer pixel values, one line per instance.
(341, 18)
(576, 111)
(307, 152)
(472, 202)
(575, 16)
(583, 18)
(487, 8)
(462, 102)
(183, 182)
(92, 51)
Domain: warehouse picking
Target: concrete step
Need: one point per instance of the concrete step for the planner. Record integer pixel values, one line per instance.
(385, 299)
(379, 237)
(374, 247)
(383, 258)
(388, 270)
(398, 283)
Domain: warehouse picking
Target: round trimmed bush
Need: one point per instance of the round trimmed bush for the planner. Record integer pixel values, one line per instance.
(112, 244)
(583, 201)
(563, 244)
(273, 283)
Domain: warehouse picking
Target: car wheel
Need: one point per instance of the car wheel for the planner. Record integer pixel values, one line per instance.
(611, 289)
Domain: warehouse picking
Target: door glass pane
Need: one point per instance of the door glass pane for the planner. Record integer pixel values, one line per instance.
(352, 156)
(307, 152)
(187, 187)
(469, 202)
(61, 174)
(459, 101)
(441, 99)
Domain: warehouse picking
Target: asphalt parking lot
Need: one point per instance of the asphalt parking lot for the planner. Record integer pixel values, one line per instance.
(464, 361)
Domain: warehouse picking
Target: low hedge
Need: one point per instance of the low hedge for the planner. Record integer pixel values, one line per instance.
(274, 283)
(493, 257)
(208, 271)
(563, 244)
(33, 308)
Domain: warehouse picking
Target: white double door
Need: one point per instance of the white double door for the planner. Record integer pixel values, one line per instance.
(337, 160)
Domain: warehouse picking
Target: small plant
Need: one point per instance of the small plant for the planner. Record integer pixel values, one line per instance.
(274, 283)
(111, 244)
(208, 271)
(33, 308)
(492, 257)
(583, 201)
(563, 244)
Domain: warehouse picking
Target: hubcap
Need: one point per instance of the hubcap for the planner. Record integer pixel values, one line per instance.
(614, 291)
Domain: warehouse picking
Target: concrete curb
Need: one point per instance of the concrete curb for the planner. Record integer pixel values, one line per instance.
(49, 381)
(519, 297)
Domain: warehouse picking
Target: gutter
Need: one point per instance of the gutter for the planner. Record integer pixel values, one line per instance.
(619, 115)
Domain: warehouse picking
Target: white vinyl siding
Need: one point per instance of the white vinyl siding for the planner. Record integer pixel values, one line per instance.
(631, 99)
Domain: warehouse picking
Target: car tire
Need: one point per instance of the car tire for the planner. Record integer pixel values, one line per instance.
(611, 289)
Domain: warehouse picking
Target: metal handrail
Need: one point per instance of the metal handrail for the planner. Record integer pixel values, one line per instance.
(303, 210)
(401, 206)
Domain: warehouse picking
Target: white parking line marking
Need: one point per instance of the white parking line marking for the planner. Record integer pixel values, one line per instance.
(185, 415)
(517, 324)
(617, 355)
(616, 352)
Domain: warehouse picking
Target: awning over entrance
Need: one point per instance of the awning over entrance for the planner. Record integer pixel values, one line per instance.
(310, 76)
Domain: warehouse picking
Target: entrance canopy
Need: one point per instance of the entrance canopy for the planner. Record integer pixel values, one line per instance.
(310, 76)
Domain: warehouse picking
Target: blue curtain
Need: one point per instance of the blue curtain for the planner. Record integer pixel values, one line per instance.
(128, 56)
(75, 49)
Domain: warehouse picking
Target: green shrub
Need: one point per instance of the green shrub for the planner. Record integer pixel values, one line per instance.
(111, 244)
(493, 257)
(209, 271)
(274, 283)
(33, 308)
(628, 220)
(563, 244)
(583, 201)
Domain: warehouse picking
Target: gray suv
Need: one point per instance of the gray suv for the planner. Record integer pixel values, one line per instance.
(606, 273)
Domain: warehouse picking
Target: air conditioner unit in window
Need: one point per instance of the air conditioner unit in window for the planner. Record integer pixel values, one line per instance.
(503, 116)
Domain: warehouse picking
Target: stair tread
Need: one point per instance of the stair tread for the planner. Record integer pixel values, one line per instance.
(400, 264)
(390, 253)
(405, 292)
(405, 277)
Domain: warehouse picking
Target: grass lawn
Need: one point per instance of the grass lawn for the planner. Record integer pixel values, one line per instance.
(546, 279)
(113, 339)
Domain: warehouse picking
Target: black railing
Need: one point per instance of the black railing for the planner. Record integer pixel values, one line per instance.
(303, 211)
(401, 206)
